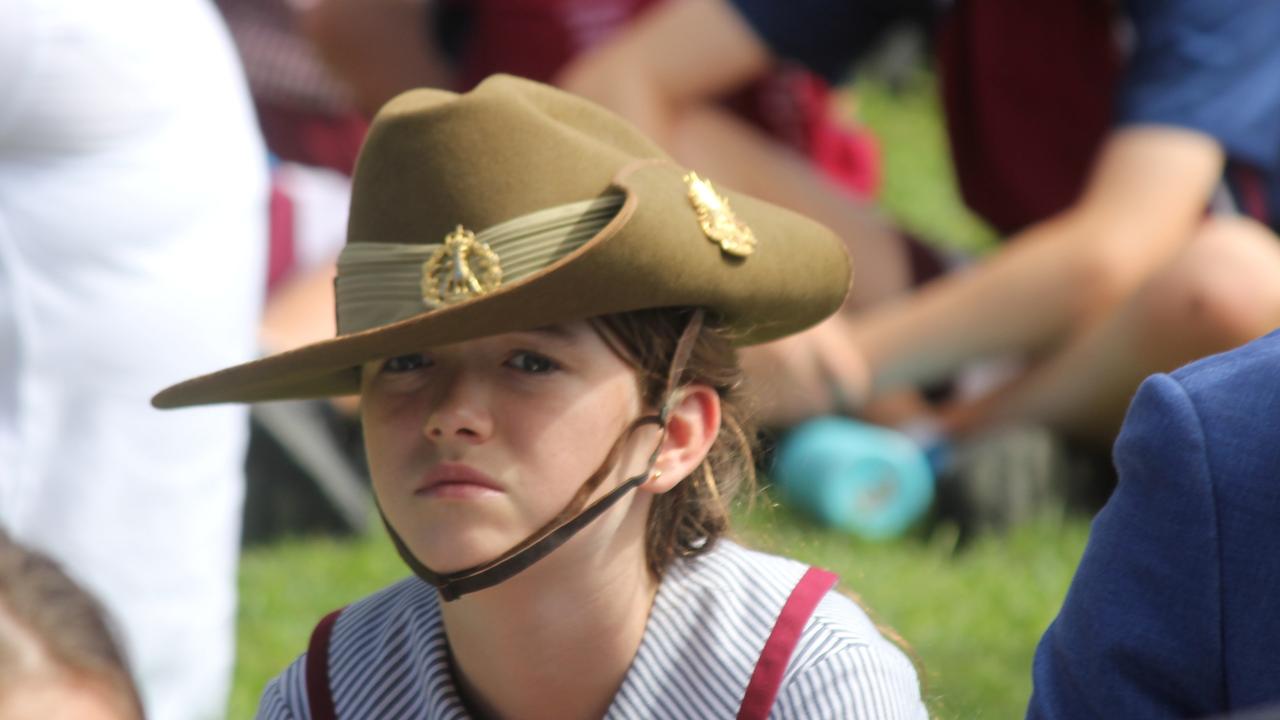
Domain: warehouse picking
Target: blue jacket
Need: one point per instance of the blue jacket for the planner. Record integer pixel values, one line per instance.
(1175, 608)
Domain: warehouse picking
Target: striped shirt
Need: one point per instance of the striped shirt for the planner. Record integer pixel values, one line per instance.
(712, 614)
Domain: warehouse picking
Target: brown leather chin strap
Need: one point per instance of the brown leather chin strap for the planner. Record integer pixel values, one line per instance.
(563, 526)
(573, 517)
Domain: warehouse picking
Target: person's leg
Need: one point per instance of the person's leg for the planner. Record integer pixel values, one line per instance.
(1221, 291)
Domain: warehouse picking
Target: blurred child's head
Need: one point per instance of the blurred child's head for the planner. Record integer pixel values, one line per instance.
(57, 655)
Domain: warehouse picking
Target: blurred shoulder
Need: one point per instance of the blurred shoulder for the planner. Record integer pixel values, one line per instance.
(1236, 375)
(1233, 400)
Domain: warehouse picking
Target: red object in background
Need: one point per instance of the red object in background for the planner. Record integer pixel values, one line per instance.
(311, 138)
(1028, 90)
(282, 226)
(535, 38)
(849, 155)
(1251, 191)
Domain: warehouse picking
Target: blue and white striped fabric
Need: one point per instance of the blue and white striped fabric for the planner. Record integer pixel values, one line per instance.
(710, 620)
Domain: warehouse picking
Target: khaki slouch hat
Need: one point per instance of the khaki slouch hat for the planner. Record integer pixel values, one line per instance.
(517, 206)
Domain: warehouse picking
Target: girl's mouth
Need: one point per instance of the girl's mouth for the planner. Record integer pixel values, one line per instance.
(456, 481)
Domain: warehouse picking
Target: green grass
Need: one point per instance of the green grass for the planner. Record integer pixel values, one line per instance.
(286, 588)
(972, 618)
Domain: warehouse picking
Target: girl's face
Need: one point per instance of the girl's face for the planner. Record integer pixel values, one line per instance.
(474, 446)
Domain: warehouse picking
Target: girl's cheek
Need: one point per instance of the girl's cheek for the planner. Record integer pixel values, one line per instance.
(387, 426)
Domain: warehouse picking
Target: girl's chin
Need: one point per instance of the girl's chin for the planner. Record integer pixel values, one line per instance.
(458, 557)
(447, 541)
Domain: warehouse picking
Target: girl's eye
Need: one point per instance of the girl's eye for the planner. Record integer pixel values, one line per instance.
(405, 363)
(532, 363)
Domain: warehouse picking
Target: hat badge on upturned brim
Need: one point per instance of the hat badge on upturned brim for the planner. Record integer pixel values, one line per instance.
(718, 222)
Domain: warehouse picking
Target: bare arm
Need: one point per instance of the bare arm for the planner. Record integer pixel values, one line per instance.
(1145, 197)
(679, 55)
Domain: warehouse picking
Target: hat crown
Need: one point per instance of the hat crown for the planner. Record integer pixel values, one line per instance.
(435, 159)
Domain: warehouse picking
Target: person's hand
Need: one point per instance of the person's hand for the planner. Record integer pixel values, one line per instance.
(816, 372)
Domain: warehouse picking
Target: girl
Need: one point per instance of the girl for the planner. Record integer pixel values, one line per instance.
(533, 295)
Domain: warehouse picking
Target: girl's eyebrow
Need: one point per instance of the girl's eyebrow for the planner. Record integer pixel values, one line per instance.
(558, 331)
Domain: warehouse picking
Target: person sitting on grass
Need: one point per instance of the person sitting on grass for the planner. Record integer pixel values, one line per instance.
(58, 658)
(532, 294)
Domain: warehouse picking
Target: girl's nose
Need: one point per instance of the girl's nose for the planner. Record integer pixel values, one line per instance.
(461, 412)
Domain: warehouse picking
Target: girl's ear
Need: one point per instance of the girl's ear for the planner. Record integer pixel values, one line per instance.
(692, 428)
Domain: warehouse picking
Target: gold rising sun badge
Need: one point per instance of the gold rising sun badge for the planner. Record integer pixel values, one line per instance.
(461, 269)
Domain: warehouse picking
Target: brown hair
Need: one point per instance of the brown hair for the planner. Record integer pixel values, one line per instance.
(49, 624)
(689, 518)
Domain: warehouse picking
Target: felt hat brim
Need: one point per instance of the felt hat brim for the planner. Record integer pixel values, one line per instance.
(651, 254)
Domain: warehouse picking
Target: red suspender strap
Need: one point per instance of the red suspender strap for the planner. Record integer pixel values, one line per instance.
(319, 698)
(767, 677)
(283, 238)
(1252, 193)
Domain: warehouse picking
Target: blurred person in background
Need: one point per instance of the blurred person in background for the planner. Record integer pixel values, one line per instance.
(58, 657)
(313, 130)
(132, 248)
(799, 152)
(1172, 612)
(1112, 144)
(307, 115)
